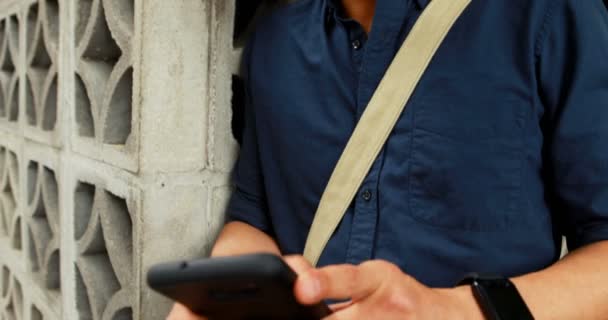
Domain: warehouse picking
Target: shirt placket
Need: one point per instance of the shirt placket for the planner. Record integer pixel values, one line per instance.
(371, 58)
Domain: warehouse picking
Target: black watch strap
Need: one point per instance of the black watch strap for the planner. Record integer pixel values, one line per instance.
(498, 298)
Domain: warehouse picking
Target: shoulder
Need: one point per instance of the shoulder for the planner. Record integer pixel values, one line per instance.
(287, 25)
(574, 20)
(300, 11)
(281, 41)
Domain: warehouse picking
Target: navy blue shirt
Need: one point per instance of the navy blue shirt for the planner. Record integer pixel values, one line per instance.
(502, 149)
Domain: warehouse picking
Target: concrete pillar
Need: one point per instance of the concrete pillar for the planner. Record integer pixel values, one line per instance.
(115, 149)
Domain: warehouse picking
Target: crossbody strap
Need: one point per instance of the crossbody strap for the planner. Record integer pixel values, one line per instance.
(379, 119)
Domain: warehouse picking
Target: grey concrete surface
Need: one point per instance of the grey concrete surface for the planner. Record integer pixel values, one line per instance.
(115, 149)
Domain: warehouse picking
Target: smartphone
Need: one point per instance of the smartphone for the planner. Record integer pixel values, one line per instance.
(245, 287)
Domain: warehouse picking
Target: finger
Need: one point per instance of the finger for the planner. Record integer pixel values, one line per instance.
(353, 312)
(298, 263)
(340, 282)
(180, 312)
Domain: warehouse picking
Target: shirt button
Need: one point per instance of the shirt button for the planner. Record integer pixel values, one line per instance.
(356, 44)
(366, 195)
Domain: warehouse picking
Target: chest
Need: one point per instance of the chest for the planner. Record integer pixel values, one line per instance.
(469, 93)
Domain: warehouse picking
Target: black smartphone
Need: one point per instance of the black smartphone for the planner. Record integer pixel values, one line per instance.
(244, 287)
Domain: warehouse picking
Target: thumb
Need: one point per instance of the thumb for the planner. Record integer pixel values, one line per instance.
(298, 263)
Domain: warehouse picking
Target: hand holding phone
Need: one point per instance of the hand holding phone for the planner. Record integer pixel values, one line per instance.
(234, 288)
(181, 312)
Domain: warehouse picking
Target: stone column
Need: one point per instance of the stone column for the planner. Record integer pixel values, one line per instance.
(115, 149)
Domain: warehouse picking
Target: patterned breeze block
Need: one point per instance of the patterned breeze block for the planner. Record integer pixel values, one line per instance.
(115, 135)
(104, 267)
(9, 85)
(10, 217)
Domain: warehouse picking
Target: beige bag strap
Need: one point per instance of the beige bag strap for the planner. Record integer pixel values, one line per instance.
(379, 119)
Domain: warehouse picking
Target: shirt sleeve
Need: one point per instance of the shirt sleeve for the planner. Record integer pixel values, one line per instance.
(572, 61)
(248, 202)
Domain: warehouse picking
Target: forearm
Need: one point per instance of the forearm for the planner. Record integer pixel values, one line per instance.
(236, 238)
(240, 238)
(574, 288)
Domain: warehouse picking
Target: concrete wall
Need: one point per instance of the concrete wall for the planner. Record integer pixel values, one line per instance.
(115, 149)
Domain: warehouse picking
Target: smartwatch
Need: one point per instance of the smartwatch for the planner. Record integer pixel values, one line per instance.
(497, 297)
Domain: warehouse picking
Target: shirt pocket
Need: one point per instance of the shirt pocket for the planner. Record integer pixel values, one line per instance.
(466, 163)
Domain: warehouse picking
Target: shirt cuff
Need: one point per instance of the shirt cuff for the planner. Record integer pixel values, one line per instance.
(588, 235)
(248, 209)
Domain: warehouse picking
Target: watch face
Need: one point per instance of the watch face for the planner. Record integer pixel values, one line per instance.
(500, 300)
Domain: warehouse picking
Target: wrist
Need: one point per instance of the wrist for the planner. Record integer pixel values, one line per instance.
(462, 303)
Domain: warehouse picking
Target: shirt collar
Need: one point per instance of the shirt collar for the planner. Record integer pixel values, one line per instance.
(423, 3)
(334, 4)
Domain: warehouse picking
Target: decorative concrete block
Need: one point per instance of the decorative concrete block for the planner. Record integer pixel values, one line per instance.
(43, 227)
(10, 215)
(115, 135)
(35, 313)
(221, 144)
(9, 76)
(41, 77)
(175, 226)
(175, 108)
(12, 297)
(104, 267)
(104, 115)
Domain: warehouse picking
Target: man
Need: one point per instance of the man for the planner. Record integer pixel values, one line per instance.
(502, 150)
